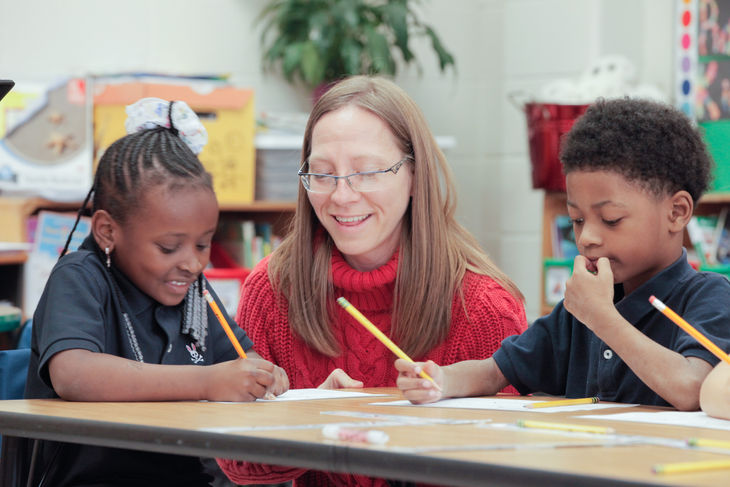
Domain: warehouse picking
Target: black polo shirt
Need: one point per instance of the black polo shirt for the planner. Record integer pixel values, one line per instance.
(79, 310)
(559, 355)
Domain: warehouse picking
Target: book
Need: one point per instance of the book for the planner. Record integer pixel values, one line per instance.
(702, 230)
(563, 238)
(50, 237)
(556, 273)
(247, 242)
(722, 238)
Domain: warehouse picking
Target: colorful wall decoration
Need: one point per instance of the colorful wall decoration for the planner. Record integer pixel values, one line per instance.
(702, 84)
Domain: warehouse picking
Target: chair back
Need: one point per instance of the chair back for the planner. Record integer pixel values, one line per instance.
(13, 372)
(14, 452)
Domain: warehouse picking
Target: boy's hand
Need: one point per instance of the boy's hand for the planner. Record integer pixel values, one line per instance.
(338, 379)
(243, 380)
(589, 295)
(414, 387)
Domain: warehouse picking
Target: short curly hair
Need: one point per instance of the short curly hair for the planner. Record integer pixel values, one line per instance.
(648, 143)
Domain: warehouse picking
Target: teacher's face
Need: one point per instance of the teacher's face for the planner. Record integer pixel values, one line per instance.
(365, 225)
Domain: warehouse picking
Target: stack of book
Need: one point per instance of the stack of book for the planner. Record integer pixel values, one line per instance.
(710, 237)
(557, 269)
(247, 242)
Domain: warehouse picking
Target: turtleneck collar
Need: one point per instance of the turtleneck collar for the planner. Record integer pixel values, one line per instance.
(371, 290)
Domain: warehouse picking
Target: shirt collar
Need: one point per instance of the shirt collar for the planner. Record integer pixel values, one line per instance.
(135, 298)
(636, 305)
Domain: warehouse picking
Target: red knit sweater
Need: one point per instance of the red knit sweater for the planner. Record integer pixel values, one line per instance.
(494, 314)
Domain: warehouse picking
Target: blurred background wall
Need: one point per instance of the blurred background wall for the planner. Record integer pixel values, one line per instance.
(500, 46)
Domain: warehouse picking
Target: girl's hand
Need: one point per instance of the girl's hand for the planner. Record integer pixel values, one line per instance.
(281, 381)
(242, 380)
(414, 387)
(338, 379)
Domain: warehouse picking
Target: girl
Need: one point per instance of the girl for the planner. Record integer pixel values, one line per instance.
(124, 319)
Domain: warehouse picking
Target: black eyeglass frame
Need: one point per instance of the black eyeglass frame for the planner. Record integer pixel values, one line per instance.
(304, 176)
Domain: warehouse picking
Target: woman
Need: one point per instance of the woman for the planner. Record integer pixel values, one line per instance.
(375, 224)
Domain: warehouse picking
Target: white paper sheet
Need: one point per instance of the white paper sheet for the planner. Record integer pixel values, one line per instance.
(310, 394)
(695, 419)
(502, 404)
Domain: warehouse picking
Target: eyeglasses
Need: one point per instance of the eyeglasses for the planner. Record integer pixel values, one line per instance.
(359, 181)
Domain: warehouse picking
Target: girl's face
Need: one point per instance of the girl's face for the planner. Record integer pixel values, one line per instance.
(617, 219)
(365, 226)
(165, 245)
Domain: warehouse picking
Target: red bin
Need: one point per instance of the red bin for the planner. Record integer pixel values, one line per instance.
(546, 124)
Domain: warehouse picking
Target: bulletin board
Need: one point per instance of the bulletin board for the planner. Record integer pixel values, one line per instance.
(703, 76)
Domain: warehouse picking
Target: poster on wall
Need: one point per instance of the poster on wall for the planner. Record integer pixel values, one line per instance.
(712, 98)
(45, 139)
(702, 84)
(686, 55)
(713, 33)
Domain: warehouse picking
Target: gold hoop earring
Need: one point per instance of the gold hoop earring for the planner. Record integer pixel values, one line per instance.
(108, 257)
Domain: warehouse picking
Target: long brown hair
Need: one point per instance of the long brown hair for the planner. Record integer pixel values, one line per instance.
(435, 250)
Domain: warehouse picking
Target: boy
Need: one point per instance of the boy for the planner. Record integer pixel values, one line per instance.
(634, 171)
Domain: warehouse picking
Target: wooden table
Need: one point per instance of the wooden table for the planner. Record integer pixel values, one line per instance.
(454, 454)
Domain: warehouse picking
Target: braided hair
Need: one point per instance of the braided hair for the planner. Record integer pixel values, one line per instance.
(137, 162)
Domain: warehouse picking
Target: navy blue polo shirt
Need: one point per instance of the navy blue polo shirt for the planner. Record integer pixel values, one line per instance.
(79, 310)
(559, 355)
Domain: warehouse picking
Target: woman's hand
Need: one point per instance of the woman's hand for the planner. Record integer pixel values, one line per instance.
(414, 387)
(338, 379)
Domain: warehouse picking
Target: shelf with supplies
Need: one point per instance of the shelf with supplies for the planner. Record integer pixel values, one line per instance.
(554, 205)
(16, 212)
(557, 266)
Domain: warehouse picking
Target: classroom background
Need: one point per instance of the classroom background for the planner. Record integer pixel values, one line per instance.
(501, 47)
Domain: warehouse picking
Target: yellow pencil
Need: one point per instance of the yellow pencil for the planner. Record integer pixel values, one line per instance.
(709, 443)
(692, 331)
(224, 323)
(581, 428)
(380, 335)
(562, 402)
(689, 467)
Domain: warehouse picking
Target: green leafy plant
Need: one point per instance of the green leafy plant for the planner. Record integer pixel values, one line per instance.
(319, 41)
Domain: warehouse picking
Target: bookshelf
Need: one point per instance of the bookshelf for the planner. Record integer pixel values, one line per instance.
(278, 213)
(13, 257)
(555, 204)
(14, 211)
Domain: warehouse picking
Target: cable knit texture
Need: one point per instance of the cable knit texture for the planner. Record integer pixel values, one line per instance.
(493, 314)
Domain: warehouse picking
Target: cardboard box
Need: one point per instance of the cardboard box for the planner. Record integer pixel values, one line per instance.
(276, 174)
(226, 112)
(46, 145)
